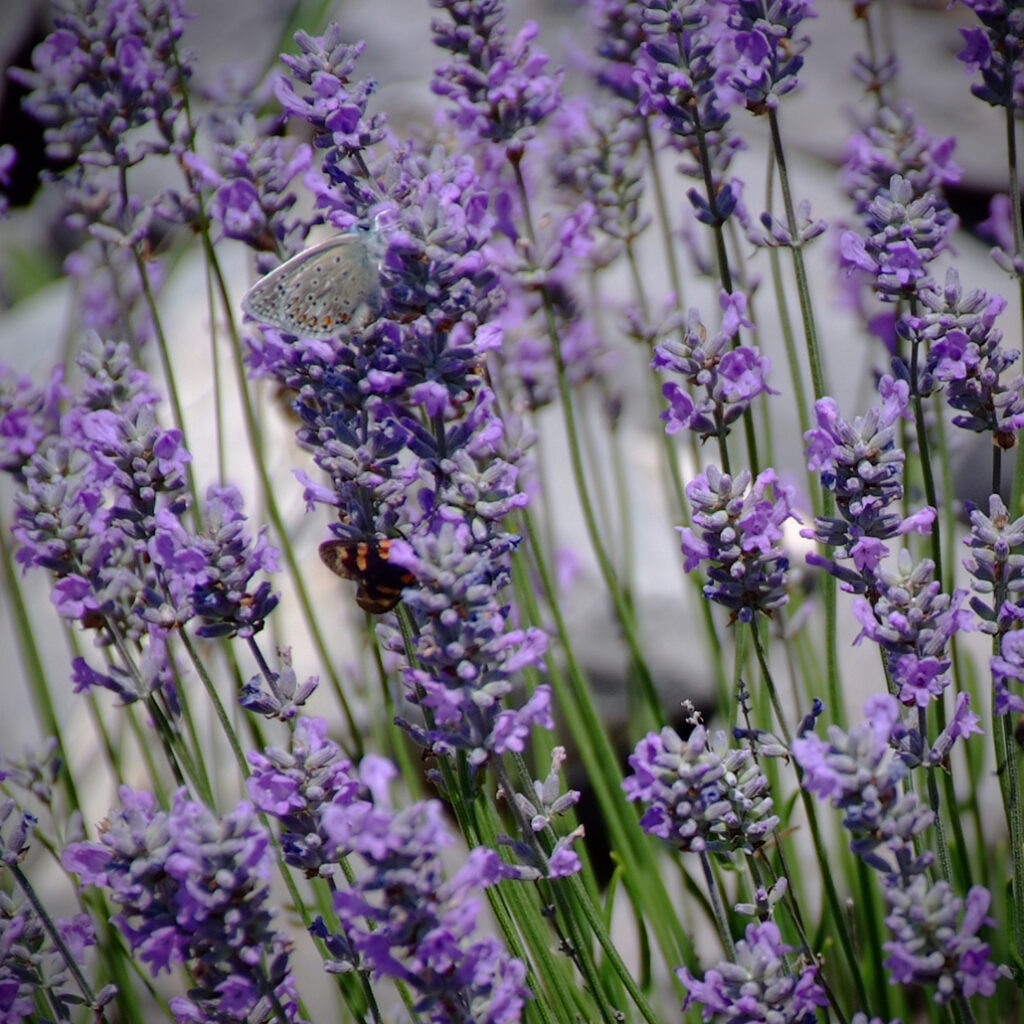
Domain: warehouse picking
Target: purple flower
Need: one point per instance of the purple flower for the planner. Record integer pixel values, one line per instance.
(192, 888)
(902, 235)
(549, 800)
(759, 985)
(28, 416)
(103, 508)
(863, 773)
(935, 939)
(297, 785)
(599, 160)
(723, 377)
(1008, 667)
(700, 793)
(860, 463)
(678, 73)
(994, 543)
(895, 142)
(403, 920)
(251, 178)
(319, 91)
(962, 723)
(499, 89)
(457, 609)
(278, 694)
(33, 968)
(738, 531)
(998, 227)
(398, 417)
(220, 593)
(997, 51)
(106, 69)
(965, 354)
(768, 53)
(913, 621)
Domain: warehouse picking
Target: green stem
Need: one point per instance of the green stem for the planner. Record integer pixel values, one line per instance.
(623, 611)
(718, 905)
(799, 270)
(55, 936)
(925, 457)
(1013, 188)
(1008, 771)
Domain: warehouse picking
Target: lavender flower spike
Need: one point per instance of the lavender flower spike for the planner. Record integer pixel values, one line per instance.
(935, 940)
(740, 534)
(759, 986)
(192, 888)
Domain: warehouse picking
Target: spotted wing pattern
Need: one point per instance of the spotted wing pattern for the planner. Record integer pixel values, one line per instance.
(380, 582)
(317, 293)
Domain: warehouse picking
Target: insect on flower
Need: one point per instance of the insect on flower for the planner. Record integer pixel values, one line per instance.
(380, 583)
(318, 292)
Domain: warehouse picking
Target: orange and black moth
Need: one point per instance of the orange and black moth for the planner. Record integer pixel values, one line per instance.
(379, 582)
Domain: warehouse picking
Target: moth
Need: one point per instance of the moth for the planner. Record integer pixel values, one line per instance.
(317, 293)
(380, 582)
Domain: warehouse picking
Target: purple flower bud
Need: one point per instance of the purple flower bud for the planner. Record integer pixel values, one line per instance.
(106, 69)
(499, 89)
(701, 794)
(935, 940)
(758, 985)
(192, 888)
(997, 51)
(738, 531)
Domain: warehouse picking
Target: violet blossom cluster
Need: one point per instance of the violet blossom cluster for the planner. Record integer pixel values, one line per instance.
(192, 889)
(895, 173)
(768, 52)
(996, 564)
(891, 142)
(934, 933)
(902, 234)
(295, 786)
(910, 618)
(103, 507)
(965, 355)
(250, 176)
(29, 415)
(466, 657)
(106, 69)
(902, 608)
(722, 376)
(37, 965)
(738, 533)
(996, 50)
(107, 85)
(861, 464)
(759, 984)
(700, 793)
(678, 73)
(499, 90)
(500, 93)
(596, 157)
(399, 918)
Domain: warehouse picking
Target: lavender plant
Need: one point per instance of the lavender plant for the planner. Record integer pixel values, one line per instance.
(267, 794)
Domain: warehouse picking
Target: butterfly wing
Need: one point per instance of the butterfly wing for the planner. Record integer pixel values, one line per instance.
(380, 582)
(317, 293)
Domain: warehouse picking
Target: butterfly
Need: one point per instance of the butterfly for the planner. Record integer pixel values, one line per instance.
(366, 561)
(317, 293)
